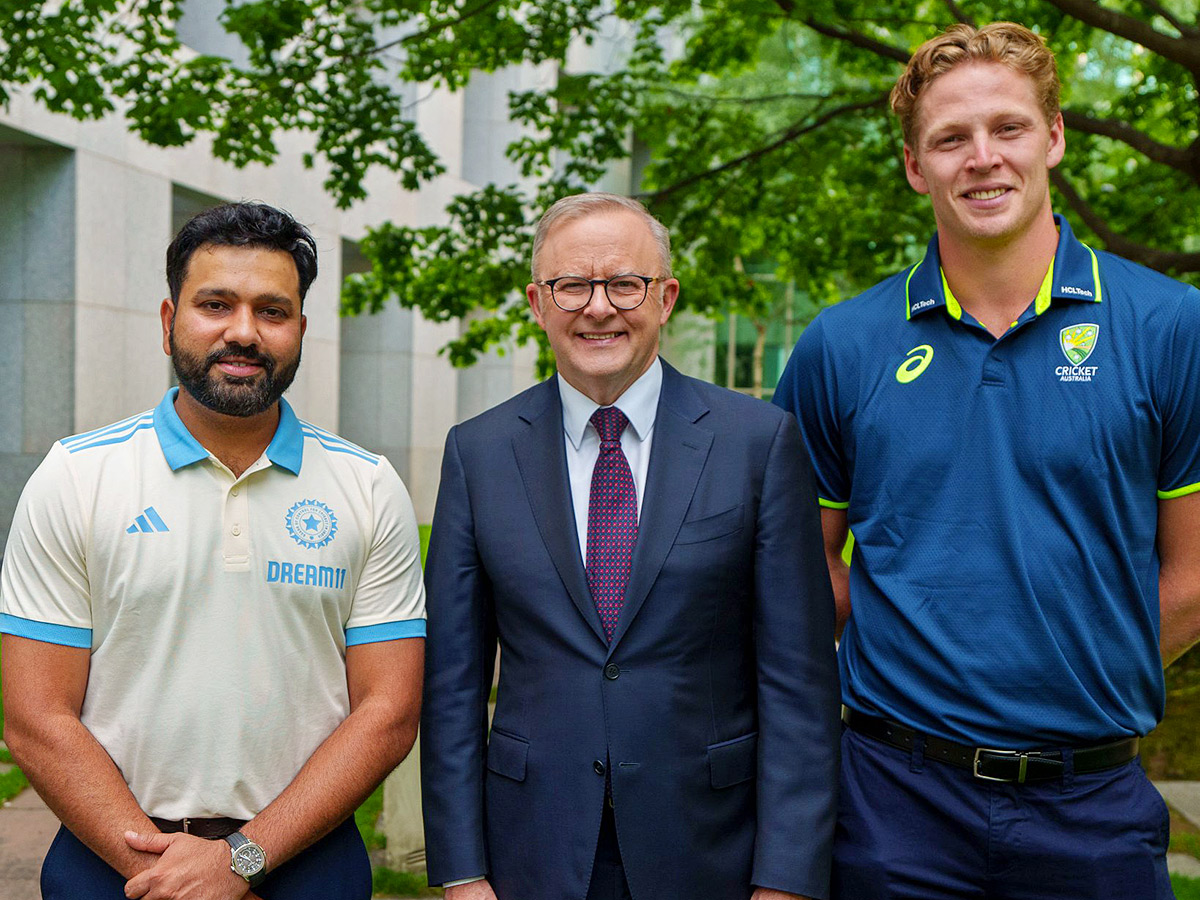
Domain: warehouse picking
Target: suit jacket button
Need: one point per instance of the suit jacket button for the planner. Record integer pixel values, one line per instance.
(598, 767)
(612, 671)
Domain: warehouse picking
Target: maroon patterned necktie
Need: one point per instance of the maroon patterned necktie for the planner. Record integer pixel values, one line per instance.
(612, 519)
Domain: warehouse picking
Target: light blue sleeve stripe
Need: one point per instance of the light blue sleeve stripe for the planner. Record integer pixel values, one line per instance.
(349, 449)
(329, 438)
(385, 631)
(108, 429)
(119, 439)
(66, 635)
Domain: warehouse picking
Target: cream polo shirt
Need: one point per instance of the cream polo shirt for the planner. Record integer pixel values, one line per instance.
(217, 609)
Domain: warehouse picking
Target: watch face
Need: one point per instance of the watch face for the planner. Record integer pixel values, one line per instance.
(248, 860)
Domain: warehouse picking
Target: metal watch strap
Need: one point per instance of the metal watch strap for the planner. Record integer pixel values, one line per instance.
(236, 841)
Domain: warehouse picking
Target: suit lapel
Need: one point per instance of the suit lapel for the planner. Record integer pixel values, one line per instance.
(677, 457)
(542, 461)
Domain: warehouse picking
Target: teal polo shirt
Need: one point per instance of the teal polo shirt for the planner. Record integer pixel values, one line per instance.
(1003, 494)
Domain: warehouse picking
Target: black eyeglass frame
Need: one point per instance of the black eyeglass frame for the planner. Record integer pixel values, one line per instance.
(645, 279)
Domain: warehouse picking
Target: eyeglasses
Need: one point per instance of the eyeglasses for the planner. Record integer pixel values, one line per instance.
(572, 293)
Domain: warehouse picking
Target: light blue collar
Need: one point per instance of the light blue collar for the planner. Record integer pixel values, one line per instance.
(181, 449)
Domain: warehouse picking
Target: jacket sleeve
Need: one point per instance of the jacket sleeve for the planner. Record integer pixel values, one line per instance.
(459, 662)
(797, 678)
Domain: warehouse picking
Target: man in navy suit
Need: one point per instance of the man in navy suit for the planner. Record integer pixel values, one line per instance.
(666, 717)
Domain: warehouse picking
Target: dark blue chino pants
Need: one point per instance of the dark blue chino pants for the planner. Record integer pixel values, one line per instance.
(608, 872)
(334, 868)
(911, 829)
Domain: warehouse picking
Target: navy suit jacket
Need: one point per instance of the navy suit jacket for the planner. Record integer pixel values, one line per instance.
(714, 710)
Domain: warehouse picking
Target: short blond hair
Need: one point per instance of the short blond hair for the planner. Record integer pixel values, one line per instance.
(1006, 43)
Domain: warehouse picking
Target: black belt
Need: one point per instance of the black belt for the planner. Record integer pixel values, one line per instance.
(989, 764)
(211, 829)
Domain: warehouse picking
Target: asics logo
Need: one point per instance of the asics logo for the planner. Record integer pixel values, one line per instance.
(917, 362)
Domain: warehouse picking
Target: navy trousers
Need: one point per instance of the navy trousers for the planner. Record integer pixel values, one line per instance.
(608, 873)
(334, 868)
(910, 829)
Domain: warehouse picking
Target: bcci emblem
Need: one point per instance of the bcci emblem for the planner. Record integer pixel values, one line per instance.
(1078, 342)
(311, 524)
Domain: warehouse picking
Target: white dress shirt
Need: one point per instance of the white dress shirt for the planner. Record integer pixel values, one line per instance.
(639, 403)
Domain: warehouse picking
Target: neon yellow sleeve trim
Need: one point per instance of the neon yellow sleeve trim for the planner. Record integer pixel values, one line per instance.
(1178, 492)
(830, 504)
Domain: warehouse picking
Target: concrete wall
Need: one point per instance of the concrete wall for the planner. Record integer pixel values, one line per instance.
(86, 213)
(37, 313)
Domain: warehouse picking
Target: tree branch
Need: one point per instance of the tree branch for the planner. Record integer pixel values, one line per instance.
(787, 137)
(761, 98)
(1163, 260)
(1185, 160)
(959, 14)
(859, 40)
(1177, 158)
(1175, 22)
(1183, 50)
(418, 36)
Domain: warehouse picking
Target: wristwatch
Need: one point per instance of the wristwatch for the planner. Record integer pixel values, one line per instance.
(248, 859)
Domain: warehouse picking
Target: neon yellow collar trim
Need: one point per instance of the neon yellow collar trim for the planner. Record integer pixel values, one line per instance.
(952, 305)
(1041, 302)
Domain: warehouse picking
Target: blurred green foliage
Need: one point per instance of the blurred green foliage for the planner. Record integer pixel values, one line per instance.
(1172, 750)
(759, 128)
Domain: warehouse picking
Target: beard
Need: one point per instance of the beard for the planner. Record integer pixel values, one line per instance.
(232, 395)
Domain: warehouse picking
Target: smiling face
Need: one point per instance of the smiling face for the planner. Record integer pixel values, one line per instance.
(601, 350)
(234, 335)
(983, 152)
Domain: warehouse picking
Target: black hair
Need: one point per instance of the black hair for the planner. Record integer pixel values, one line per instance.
(244, 224)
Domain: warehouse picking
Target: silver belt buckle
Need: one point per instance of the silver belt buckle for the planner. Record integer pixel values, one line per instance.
(1023, 755)
(187, 825)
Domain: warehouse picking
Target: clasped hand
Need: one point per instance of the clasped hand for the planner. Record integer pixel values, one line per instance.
(188, 868)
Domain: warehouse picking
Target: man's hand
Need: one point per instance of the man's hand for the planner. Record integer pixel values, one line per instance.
(188, 868)
(474, 890)
(771, 894)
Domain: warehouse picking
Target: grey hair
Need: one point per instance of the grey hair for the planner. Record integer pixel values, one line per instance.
(577, 206)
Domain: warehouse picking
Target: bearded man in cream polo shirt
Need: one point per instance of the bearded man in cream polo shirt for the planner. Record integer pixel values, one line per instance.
(212, 612)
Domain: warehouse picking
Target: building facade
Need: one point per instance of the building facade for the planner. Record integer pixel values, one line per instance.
(86, 213)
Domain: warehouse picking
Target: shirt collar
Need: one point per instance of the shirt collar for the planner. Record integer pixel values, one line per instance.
(180, 449)
(1041, 302)
(639, 403)
(1074, 275)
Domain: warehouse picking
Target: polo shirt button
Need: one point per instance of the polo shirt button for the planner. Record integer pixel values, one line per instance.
(235, 492)
(598, 767)
(612, 671)
(237, 529)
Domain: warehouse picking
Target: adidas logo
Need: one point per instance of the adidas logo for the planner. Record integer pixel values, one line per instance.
(148, 521)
